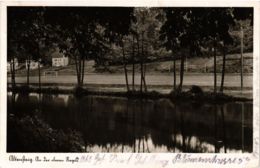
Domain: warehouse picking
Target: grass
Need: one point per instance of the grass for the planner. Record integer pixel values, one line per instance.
(196, 64)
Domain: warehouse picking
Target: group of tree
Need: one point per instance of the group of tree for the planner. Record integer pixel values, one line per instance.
(77, 32)
(83, 33)
(195, 28)
(140, 44)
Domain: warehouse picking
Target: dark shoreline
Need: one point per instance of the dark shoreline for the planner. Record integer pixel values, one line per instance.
(208, 97)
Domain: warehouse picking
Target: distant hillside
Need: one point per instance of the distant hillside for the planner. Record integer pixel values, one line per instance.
(195, 65)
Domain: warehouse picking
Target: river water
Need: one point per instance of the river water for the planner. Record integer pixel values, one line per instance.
(112, 124)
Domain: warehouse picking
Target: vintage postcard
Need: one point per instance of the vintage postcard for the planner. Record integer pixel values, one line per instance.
(129, 84)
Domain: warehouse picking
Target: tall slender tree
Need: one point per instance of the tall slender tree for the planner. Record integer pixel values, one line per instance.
(181, 30)
(219, 23)
(145, 29)
(15, 28)
(27, 32)
(243, 14)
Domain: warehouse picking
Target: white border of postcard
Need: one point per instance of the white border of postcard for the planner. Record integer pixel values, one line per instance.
(130, 159)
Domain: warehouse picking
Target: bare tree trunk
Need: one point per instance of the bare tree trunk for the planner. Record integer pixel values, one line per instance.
(125, 70)
(77, 69)
(144, 82)
(174, 71)
(215, 67)
(39, 68)
(78, 59)
(80, 70)
(223, 68)
(28, 71)
(39, 74)
(174, 74)
(142, 65)
(133, 65)
(83, 71)
(144, 70)
(181, 72)
(241, 58)
(141, 86)
(12, 68)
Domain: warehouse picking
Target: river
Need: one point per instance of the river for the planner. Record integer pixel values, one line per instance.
(112, 124)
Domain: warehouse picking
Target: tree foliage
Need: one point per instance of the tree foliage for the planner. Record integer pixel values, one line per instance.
(131, 35)
(80, 35)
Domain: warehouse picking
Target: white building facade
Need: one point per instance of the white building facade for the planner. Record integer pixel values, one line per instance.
(33, 64)
(60, 60)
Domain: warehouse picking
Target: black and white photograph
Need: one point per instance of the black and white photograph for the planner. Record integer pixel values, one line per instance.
(129, 79)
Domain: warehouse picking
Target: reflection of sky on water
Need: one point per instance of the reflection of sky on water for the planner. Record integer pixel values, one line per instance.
(64, 97)
(149, 146)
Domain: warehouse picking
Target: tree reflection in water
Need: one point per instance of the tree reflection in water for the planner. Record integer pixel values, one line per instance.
(110, 124)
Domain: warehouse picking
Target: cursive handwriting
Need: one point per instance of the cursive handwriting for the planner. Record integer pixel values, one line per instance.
(137, 159)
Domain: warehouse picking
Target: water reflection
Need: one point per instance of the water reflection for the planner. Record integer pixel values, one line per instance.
(110, 124)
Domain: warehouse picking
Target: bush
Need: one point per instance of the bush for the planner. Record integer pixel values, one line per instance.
(24, 89)
(196, 91)
(154, 94)
(31, 134)
(179, 95)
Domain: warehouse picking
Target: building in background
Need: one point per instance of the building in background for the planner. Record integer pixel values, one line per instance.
(33, 64)
(10, 63)
(58, 59)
